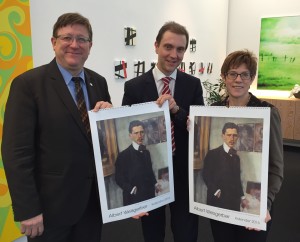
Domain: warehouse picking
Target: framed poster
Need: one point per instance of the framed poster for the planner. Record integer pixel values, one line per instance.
(133, 157)
(228, 164)
(279, 53)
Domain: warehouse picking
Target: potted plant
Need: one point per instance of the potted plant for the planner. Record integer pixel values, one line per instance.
(215, 92)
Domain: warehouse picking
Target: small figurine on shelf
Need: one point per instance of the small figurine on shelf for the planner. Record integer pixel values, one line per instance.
(295, 91)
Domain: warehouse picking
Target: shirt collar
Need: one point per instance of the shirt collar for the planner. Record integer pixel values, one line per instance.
(158, 75)
(135, 146)
(67, 75)
(226, 147)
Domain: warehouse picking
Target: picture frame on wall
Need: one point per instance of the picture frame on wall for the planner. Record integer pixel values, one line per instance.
(139, 67)
(193, 44)
(279, 55)
(192, 67)
(130, 36)
(120, 68)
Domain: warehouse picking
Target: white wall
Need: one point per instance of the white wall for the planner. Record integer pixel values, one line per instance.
(244, 26)
(204, 21)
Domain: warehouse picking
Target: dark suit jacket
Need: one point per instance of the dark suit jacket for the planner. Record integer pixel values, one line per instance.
(134, 168)
(188, 91)
(222, 171)
(48, 157)
(276, 164)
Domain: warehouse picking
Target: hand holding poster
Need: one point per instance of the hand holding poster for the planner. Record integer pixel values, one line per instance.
(133, 155)
(228, 164)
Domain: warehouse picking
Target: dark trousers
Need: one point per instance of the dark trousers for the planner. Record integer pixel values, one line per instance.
(88, 228)
(223, 232)
(184, 224)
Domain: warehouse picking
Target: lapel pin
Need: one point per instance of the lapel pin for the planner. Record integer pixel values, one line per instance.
(91, 84)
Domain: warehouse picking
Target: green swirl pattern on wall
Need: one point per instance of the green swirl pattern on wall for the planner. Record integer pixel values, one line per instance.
(15, 58)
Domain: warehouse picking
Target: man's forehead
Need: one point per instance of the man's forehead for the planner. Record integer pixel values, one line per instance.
(136, 128)
(173, 38)
(231, 131)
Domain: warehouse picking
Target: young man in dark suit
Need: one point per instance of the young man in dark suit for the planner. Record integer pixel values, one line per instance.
(222, 172)
(134, 173)
(47, 149)
(185, 90)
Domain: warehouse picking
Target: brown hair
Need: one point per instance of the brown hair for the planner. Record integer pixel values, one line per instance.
(237, 58)
(229, 125)
(70, 19)
(174, 28)
(135, 123)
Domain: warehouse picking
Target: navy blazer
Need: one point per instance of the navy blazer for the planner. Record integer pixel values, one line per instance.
(222, 171)
(188, 91)
(134, 168)
(47, 154)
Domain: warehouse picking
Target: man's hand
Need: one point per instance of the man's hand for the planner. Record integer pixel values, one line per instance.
(244, 203)
(188, 121)
(101, 105)
(172, 104)
(138, 216)
(33, 227)
(158, 188)
(267, 219)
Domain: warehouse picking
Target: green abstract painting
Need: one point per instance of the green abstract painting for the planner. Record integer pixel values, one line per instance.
(279, 53)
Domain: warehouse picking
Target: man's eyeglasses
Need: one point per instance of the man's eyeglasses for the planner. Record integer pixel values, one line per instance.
(245, 76)
(68, 39)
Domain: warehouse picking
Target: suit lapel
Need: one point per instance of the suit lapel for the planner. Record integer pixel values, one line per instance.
(179, 87)
(91, 89)
(151, 94)
(64, 94)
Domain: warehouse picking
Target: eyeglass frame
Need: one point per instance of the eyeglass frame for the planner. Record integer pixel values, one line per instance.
(79, 39)
(239, 74)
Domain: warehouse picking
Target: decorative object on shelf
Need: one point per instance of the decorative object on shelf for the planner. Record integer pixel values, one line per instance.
(152, 64)
(139, 67)
(193, 43)
(130, 36)
(215, 92)
(181, 67)
(295, 91)
(120, 69)
(192, 67)
(209, 67)
(201, 67)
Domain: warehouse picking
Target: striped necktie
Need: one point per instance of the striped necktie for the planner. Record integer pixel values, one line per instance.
(81, 104)
(166, 90)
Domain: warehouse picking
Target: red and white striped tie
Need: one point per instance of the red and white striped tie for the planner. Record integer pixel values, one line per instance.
(166, 90)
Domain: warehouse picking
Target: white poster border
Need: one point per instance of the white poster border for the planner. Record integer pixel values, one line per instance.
(115, 214)
(221, 214)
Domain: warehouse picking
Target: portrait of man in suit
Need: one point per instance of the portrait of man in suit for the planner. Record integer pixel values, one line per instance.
(133, 168)
(222, 172)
